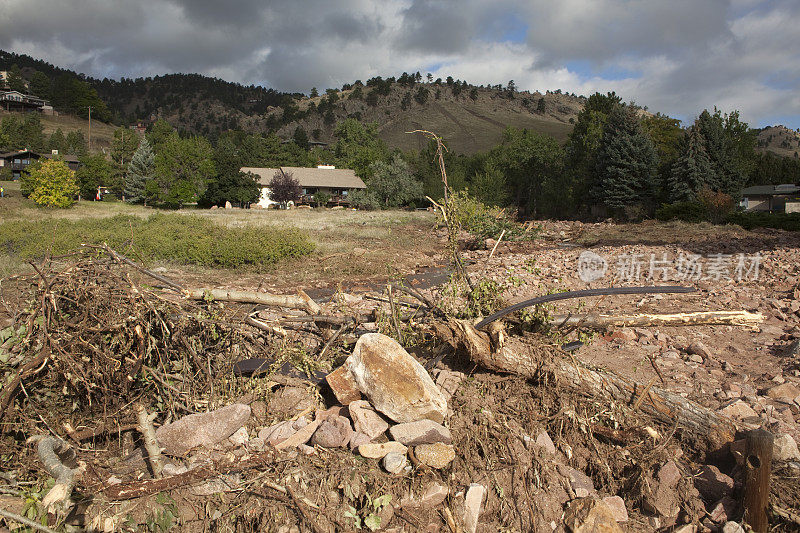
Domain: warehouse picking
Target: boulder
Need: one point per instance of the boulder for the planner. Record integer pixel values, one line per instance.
(698, 348)
(784, 448)
(617, 506)
(785, 393)
(738, 410)
(202, 429)
(420, 432)
(394, 463)
(437, 455)
(712, 484)
(366, 420)
(590, 515)
(333, 432)
(379, 450)
(393, 381)
(580, 483)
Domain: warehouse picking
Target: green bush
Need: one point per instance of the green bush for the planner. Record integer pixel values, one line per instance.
(761, 219)
(685, 211)
(483, 221)
(168, 237)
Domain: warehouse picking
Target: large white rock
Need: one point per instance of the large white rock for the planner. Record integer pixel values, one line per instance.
(393, 381)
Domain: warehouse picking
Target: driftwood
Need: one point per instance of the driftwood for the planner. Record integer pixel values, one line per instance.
(300, 301)
(597, 321)
(137, 489)
(54, 454)
(525, 360)
(150, 442)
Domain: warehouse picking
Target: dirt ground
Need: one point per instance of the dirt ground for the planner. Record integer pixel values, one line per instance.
(497, 419)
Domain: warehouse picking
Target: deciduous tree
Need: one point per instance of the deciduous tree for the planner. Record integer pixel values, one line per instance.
(51, 184)
(284, 188)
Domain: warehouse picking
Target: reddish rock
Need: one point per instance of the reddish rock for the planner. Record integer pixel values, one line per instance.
(420, 432)
(617, 506)
(300, 437)
(713, 484)
(433, 496)
(785, 392)
(366, 420)
(333, 432)
(343, 385)
(590, 515)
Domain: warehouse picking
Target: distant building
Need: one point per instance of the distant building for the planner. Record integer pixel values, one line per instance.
(16, 101)
(21, 159)
(772, 198)
(337, 182)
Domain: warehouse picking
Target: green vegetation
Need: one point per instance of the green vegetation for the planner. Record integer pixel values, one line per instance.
(760, 219)
(50, 183)
(167, 237)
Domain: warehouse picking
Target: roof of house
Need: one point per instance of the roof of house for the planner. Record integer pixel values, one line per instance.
(336, 178)
(264, 174)
(18, 153)
(770, 190)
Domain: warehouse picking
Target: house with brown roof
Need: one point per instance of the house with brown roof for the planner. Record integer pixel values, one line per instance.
(337, 182)
(19, 160)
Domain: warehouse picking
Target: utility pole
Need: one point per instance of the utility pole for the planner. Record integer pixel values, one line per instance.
(90, 128)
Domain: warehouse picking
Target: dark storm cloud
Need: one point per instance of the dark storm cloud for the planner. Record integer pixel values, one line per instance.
(672, 56)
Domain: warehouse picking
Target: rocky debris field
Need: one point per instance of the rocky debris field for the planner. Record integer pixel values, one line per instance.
(387, 410)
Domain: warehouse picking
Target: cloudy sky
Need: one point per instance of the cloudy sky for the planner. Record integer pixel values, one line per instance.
(674, 56)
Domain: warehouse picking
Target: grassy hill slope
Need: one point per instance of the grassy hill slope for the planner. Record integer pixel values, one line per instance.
(779, 140)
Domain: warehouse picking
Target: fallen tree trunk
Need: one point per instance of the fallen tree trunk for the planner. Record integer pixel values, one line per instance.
(137, 489)
(734, 318)
(301, 301)
(533, 362)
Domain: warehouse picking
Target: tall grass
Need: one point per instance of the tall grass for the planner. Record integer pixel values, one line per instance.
(168, 237)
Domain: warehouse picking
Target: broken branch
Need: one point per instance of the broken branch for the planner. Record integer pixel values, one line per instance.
(263, 298)
(735, 318)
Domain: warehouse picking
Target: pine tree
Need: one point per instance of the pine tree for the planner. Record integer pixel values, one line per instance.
(140, 170)
(692, 171)
(627, 162)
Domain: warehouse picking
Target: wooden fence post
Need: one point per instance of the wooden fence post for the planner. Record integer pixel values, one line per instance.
(758, 465)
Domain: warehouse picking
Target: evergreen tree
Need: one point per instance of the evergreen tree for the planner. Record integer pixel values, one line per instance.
(14, 79)
(140, 171)
(300, 137)
(58, 142)
(40, 85)
(692, 171)
(627, 163)
(76, 143)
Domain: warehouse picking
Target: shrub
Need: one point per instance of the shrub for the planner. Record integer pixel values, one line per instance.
(168, 237)
(482, 221)
(322, 198)
(686, 211)
(363, 199)
(50, 183)
(761, 219)
(718, 205)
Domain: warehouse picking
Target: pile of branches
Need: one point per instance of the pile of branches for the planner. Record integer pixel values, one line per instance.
(94, 337)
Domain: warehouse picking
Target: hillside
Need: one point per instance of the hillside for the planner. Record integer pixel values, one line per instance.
(472, 120)
(779, 140)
